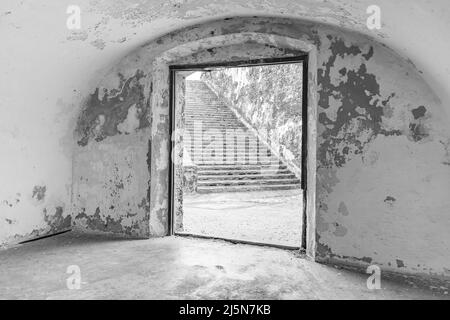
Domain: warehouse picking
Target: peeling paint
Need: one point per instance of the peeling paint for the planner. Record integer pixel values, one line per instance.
(39, 192)
(57, 221)
(400, 263)
(119, 110)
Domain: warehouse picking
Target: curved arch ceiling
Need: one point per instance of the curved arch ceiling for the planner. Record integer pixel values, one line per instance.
(416, 29)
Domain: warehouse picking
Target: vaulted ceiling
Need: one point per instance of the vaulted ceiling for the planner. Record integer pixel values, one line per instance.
(416, 29)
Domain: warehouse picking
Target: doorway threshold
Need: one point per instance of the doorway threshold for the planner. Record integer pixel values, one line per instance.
(240, 241)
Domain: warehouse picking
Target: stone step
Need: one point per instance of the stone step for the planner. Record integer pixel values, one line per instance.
(253, 161)
(204, 103)
(230, 151)
(222, 125)
(239, 162)
(199, 149)
(194, 108)
(206, 125)
(225, 143)
(233, 157)
(214, 189)
(211, 129)
(206, 142)
(238, 167)
(198, 110)
(226, 129)
(231, 154)
(193, 120)
(244, 148)
(207, 149)
(200, 104)
(226, 138)
(290, 176)
(241, 172)
(200, 115)
(247, 182)
(212, 119)
(221, 135)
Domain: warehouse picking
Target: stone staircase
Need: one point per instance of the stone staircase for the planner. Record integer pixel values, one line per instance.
(228, 156)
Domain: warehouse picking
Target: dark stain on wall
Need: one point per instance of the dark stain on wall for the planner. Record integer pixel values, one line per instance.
(419, 112)
(417, 129)
(361, 111)
(102, 114)
(95, 221)
(400, 263)
(106, 224)
(389, 199)
(39, 192)
(324, 254)
(57, 221)
(322, 250)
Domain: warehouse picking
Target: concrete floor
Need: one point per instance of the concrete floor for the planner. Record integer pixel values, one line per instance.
(177, 268)
(273, 217)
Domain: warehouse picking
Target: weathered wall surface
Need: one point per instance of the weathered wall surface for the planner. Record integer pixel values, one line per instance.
(269, 99)
(383, 154)
(111, 175)
(383, 173)
(383, 145)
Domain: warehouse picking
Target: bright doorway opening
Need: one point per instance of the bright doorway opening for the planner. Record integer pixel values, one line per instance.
(239, 174)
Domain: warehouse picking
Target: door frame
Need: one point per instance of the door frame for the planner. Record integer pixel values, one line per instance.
(174, 68)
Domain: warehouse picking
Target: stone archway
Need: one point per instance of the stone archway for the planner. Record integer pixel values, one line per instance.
(242, 46)
(139, 87)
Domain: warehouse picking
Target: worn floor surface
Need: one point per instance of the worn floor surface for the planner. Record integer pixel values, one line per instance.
(273, 217)
(177, 268)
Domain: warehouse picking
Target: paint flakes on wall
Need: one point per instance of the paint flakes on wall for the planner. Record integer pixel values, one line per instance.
(400, 263)
(56, 220)
(99, 44)
(418, 128)
(360, 108)
(111, 112)
(39, 193)
(78, 35)
(131, 123)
